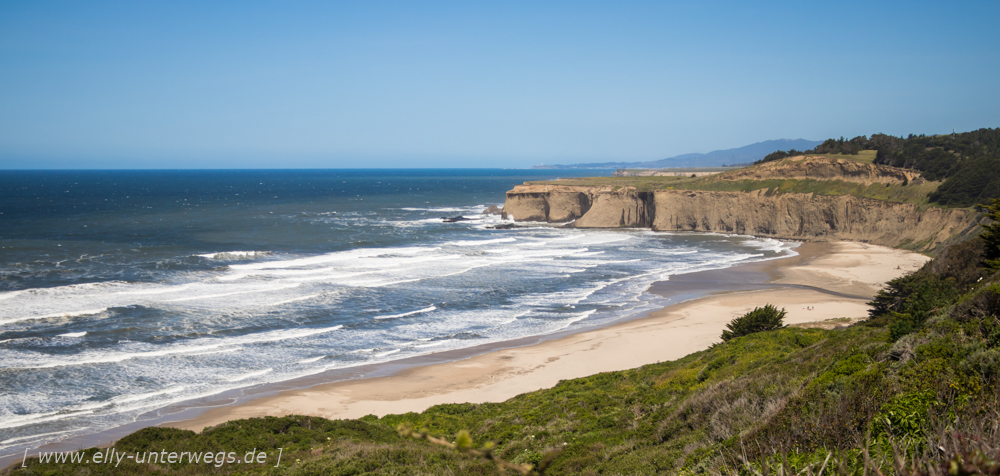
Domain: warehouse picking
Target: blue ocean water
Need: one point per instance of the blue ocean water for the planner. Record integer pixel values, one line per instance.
(122, 292)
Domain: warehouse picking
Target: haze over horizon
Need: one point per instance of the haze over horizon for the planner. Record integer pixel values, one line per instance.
(441, 84)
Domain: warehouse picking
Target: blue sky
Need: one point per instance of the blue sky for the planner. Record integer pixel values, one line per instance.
(476, 84)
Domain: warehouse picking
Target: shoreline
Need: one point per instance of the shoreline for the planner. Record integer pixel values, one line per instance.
(836, 279)
(826, 280)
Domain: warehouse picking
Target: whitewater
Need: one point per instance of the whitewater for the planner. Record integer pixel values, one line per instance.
(124, 293)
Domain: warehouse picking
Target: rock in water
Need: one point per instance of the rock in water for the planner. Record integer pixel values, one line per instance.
(454, 219)
(492, 210)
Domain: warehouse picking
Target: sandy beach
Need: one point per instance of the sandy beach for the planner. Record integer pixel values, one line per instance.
(825, 281)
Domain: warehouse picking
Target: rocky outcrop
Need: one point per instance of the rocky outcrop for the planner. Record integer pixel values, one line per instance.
(549, 203)
(492, 210)
(760, 213)
(822, 168)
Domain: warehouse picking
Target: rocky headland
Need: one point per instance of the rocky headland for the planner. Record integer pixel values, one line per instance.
(766, 211)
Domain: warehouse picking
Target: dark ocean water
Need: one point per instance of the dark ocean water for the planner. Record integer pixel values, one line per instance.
(126, 291)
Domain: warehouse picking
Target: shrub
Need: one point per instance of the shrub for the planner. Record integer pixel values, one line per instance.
(991, 233)
(759, 319)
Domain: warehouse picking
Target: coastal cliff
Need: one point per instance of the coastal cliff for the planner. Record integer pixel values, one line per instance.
(762, 212)
(821, 168)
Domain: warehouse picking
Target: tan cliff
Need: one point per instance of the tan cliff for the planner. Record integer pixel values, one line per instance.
(761, 213)
(822, 168)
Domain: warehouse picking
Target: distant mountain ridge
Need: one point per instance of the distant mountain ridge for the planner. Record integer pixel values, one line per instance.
(747, 153)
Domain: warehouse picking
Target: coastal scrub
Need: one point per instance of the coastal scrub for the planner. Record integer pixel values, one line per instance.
(760, 319)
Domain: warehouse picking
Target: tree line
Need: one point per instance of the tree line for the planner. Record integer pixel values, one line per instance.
(968, 163)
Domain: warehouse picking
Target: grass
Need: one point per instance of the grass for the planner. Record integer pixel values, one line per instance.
(642, 184)
(915, 193)
(689, 170)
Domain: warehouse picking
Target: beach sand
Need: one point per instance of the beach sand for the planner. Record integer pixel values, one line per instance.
(826, 281)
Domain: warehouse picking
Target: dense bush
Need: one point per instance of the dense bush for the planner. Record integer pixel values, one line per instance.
(758, 320)
(777, 155)
(842, 146)
(967, 163)
(991, 235)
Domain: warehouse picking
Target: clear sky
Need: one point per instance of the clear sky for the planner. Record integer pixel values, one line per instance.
(173, 84)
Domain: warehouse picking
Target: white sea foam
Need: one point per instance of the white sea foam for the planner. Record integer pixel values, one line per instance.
(218, 351)
(10, 294)
(147, 290)
(13, 421)
(72, 334)
(411, 313)
(432, 344)
(583, 277)
(245, 376)
(480, 242)
(578, 318)
(445, 209)
(145, 396)
(234, 293)
(55, 315)
(26, 438)
(300, 298)
(334, 257)
(233, 255)
(199, 348)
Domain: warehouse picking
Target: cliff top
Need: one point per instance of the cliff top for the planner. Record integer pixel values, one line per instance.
(817, 174)
(806, 167)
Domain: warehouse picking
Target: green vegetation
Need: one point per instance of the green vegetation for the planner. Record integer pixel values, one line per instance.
(863, 156)
(915, 193)
(991, 234)
(641, 184)
(959, 170)
(968, 164)
(760, 319)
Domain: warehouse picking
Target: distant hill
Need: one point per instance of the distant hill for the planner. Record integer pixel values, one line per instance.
(745, 154)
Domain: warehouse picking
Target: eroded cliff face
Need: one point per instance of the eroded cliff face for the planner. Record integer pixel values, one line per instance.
(590, 207)
(548, 203)
(809, 217)
(786, 216)
(821, 168)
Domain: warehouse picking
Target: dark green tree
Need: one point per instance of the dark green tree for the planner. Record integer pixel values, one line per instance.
(991, 234)
(759, 319)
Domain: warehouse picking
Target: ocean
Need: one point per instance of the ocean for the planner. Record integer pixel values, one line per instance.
(126, 292)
